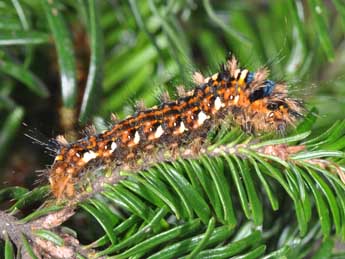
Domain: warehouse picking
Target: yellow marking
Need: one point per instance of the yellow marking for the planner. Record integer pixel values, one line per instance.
(215, 76)
(243, 76)
(237, 97)
(59, 158)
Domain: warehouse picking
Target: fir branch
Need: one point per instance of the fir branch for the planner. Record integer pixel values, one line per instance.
(43, 248)
(10, 226)
(283, 152)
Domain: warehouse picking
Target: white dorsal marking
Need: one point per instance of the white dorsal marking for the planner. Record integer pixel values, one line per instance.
(182, 127)
(159, 131)
(237, 71)
(136, 138)
(202, 117)
(89, 156)
(113, 146)
(207, 79)
(218, 103)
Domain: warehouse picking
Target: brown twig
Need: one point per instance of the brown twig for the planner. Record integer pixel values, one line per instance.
(10, 227)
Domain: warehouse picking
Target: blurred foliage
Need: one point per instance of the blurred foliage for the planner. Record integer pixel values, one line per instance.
(64, 64)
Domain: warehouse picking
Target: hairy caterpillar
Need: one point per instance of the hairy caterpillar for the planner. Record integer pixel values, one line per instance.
(253, 101)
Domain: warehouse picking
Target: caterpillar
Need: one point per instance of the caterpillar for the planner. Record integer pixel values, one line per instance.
(254, 102)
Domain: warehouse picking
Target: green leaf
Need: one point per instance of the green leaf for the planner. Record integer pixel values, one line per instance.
(329, 135)
(317, 154)
(50, 236)
(209, 189)
(126, 67)
(184, 246)
(255, 253)
(217, 173)
(271, 196)
(21, 14)
(119, 229)
(120, 97)
(275, 173)
(196, 201)
(78, 256)
(37, 194)
(105, 222)
(22, 74)
(318, 10)
(14, 193)
(138, 236)
(9, 129)
(105, 210)
(254, 201)
(325, 250)
(28, 247)
(341, 198)
(9, 251)
(23, 38)
(239, 186)
(65, 52)
(160, 190)
(286, 140)
(40, 212)
(235, 34)
(177, 183)
(341, 9)
(308, 121)
(280, 253)
(332, 202)
(93, 88)
(130, 201)
(321, 206)
(232, 248)
(304, 193)
(203, 242)
(159, 239)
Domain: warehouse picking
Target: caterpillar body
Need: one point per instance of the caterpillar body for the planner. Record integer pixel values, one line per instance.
(252, 101)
